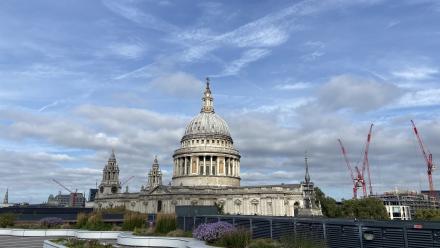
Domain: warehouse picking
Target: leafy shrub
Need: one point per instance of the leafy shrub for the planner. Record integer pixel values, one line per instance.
(236, 238)
(95, 223)
(78, 243)
(81, 220)
(292, 242)
(264, 243)
(133, 220)
(166, 223)
(7, 220)
(179, 233)
(143, 231)
(51, 222)
(27, 225)
(211, 232)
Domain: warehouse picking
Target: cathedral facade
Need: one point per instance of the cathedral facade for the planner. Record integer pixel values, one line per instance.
(206, 172)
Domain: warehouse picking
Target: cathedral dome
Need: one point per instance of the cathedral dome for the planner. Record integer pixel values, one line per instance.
(207, 124)
(207, 156)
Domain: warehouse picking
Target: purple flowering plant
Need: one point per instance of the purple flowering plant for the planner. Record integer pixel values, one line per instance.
(211, 232)
(49, 222)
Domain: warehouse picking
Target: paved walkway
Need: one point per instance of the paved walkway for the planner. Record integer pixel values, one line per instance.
(18, 242)
(31, 242)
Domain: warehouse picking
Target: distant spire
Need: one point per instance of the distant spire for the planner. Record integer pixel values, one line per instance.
(155, 162)
(6, 200)
(307, 176)
(208, 100)
(112, 156)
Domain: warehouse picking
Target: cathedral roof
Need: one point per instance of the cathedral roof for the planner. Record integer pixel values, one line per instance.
(207, 122)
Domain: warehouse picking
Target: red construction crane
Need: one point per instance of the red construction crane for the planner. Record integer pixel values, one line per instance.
(358, 179)
(427, 155)
(366, 163)
(74, 194)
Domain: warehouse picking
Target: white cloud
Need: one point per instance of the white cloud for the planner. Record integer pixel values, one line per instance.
(247, 57)
(416, 73)
(127, 50)
(293, 86)
(177, 84)
(136, 15)
(420, 98)
(358, 94)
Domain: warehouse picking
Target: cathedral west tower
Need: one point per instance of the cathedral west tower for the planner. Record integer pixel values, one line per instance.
(207, 156)
(110, 183)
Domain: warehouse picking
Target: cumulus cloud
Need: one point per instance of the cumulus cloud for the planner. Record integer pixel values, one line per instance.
(358, 94)
(177, 84)
(80, 143)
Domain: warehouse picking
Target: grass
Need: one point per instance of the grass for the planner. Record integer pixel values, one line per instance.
(133, 220)
(165, 223)
(236, 239)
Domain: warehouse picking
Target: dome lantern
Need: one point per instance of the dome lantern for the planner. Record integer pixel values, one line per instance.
(208, 100)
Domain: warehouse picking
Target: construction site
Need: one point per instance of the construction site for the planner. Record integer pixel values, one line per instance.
(401, 205)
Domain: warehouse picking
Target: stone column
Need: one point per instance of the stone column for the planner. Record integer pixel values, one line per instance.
(185, 164)
(182, 172)
(210, 165)
(191, 164)
(238, 168)
(204, 165)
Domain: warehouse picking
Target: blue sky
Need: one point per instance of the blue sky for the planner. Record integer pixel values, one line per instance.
(79, 78)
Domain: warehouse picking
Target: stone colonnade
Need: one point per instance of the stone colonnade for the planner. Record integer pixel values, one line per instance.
(207, 165)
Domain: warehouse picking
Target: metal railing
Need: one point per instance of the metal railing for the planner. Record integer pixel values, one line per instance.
(337, 233)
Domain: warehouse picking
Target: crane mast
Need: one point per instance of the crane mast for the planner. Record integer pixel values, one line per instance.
(428, 159)
(358, 180)
(366, 163)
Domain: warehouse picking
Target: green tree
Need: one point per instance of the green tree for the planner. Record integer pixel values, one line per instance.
(328, 205)
(365, 208)
(428, 214)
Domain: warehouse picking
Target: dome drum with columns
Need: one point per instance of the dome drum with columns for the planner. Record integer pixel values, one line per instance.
(207, 156)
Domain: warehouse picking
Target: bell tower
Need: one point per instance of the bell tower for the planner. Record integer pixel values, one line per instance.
(110, 177)
(154, 176)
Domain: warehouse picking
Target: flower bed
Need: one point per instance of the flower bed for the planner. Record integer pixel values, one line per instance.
(211, 232)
